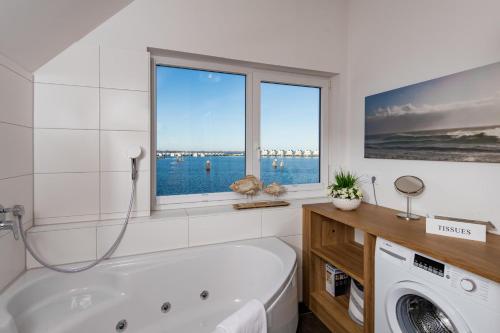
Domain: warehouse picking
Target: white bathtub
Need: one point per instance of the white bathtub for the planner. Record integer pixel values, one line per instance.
(135, 288)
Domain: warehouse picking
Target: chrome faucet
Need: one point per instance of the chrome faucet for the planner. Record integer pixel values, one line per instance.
(17, 211)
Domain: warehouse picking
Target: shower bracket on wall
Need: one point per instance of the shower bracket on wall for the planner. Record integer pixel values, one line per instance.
(17, 210)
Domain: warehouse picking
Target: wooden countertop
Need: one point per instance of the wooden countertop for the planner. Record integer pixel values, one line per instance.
(480, 258)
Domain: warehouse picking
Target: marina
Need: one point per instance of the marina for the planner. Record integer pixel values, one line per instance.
(189, 172)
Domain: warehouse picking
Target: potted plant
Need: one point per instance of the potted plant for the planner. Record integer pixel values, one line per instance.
(345, 191)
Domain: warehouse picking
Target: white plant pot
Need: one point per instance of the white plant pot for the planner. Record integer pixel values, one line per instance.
(346, 204)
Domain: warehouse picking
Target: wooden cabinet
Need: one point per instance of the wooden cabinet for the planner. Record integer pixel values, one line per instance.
(328, 237)
(330, 241)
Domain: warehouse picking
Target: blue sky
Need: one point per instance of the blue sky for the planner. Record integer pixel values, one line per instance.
(466, 99)
(201, 110)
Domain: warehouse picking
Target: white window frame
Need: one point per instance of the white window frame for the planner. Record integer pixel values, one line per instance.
(254, 77)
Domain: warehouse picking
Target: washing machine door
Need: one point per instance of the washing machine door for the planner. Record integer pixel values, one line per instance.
(413, 308)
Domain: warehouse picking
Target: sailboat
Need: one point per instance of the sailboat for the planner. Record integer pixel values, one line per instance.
(282, 164)
(275, 163)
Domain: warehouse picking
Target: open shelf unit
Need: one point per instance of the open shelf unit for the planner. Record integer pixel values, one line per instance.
(330, 241)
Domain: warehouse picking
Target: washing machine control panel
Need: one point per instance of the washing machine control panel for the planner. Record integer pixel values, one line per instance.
(429, 265)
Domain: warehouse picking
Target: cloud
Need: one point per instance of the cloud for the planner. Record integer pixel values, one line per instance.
(410, 109)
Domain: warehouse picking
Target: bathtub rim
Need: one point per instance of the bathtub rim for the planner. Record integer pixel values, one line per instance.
(276, 246)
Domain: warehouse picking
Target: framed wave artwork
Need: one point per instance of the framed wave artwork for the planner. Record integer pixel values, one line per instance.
(452, 118)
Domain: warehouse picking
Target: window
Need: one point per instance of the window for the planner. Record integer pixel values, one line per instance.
(290, 123)
(214, 123)
(200, 121)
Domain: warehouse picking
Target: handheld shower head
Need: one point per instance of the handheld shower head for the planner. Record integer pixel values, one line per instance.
(134, 152)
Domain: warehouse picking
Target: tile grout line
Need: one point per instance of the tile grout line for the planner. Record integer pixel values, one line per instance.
(83, 129)
(15, 71)
(88, 86)
(99, 167)
(15, 124)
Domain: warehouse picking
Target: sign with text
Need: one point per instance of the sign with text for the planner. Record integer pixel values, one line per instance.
(458, 229)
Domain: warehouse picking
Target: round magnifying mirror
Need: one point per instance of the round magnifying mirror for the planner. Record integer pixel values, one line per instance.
(409, 186)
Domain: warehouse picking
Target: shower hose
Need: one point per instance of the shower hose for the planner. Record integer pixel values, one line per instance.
(106, 255)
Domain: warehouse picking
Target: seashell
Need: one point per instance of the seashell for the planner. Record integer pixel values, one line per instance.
(275, 189)
(249, 185)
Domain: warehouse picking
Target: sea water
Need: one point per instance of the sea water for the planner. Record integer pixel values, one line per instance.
(480, 144)
(189, 175)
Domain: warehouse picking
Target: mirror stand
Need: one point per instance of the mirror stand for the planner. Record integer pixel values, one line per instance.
(408, 216)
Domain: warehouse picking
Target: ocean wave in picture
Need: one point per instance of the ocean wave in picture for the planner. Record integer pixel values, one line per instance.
(460, 145)
(452, 118)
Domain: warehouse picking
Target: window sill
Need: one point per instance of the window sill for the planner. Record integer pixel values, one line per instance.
(228, 208)
(211, 201)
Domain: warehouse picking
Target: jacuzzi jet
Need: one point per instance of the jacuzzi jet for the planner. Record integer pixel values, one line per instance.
(166, 307)
(121, 325)
(204, 294)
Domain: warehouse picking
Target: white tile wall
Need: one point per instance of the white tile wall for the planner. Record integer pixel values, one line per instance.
(282, 222)
(61, 106)
(16, 98)
(59, 150)
(12, 260)
(91, 105)
(144, 237)
(210, 229)
(114, 148)
(125, 110)
(17, 190)
(124, 69)
(116, 188)
(63, 246)
(16, 145)
(16, 163)
(77, 65)
(66, 194)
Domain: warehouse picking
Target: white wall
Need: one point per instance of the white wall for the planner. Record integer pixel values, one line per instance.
(308, 34)
(91, 104)
(16, 166)
(394, 43)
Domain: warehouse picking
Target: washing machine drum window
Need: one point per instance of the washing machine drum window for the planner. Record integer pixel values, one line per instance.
(418, 315)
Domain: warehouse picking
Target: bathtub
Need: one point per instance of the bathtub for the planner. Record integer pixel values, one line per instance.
(182, 291)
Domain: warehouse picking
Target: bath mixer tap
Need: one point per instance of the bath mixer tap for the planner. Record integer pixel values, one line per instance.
(17, 211)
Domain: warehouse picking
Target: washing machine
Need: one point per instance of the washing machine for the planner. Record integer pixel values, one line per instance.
(415, 293)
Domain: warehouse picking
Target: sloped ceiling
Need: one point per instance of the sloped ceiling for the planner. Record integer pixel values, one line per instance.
(34, 31)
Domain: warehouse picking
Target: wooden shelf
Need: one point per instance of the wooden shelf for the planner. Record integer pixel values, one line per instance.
(346, 257)
(333, 312)
(329, 240)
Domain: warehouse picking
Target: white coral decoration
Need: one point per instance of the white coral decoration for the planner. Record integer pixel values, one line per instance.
(347, 193)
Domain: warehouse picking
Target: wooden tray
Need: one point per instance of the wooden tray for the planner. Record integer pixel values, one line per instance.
(260, 204)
